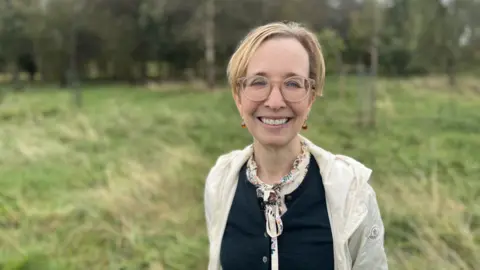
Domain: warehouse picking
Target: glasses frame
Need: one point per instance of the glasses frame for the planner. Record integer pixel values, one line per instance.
(312, 84)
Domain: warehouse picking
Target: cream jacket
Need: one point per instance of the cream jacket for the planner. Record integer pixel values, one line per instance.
(357, 226)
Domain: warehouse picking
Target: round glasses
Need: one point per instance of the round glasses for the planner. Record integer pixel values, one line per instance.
(293, 89)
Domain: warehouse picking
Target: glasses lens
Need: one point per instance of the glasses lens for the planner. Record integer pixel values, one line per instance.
(295, 88)
(256, 87)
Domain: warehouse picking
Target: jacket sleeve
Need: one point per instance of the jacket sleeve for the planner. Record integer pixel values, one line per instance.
(367, 243)
(209, 206)
(211, 191)
(211, 195)
(209, 199)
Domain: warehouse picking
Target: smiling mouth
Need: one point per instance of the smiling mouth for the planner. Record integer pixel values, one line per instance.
(274, 122)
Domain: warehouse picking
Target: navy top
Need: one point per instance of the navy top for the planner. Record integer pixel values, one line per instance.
(306, 242)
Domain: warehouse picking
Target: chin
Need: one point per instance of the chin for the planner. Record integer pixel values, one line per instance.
(276, 136)
(276, 141)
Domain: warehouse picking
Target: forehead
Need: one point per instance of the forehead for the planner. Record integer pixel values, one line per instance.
(279, 57)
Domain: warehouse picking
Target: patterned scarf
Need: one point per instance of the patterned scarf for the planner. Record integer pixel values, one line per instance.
(272, 196)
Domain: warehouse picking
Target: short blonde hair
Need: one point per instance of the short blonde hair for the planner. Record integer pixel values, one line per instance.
(237, 66)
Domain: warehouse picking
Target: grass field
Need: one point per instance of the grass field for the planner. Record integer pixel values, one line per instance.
(119, 183)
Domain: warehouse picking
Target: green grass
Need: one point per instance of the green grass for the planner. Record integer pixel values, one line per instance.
(119, 183)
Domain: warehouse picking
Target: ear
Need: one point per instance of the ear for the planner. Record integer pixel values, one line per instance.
(311, 101)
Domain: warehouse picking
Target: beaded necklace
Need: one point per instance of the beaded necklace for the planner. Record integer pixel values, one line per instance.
(271, 196)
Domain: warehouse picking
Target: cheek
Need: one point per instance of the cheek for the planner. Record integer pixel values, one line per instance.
(300, 110)
(248, 107)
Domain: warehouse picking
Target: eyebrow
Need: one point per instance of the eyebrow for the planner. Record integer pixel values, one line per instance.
(288, 74)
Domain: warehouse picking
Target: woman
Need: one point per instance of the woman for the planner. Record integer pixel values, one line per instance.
(283, 202)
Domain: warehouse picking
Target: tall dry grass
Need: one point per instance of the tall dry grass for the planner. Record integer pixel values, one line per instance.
(119, 185)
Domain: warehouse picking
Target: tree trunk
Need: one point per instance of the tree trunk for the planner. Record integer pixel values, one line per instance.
(452, 45)
(374, 64)
(341, 74)
(210, 42)
(450, 69)
(360, 69)
(73, 73)
(15, 75)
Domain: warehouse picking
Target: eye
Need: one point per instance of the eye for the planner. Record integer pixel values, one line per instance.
(257, 82)
(294, 83)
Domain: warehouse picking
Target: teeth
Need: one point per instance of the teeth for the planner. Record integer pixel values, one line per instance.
(274, 121)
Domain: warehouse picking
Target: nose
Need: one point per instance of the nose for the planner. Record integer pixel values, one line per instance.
(275, 100)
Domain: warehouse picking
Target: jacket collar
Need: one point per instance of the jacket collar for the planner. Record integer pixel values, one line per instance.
(324, 158)
(341, 175)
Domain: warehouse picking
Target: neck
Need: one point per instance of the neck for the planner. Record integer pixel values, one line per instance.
(275, 162)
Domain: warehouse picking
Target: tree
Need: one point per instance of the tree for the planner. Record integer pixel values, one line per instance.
(374, 62)
(77, 7)
(210, 42)
(12, 36)
(333, 46)
(440, 43)
(365, 32)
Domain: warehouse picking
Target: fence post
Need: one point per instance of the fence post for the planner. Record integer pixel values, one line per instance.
(360, 94)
